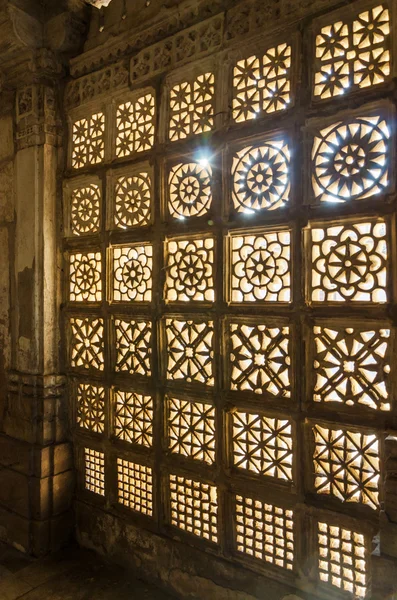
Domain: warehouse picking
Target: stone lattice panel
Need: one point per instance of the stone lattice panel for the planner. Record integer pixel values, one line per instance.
(189, 189)
(264, 532)
(260, 176)
(352, 53)
(135, 486)
(262, 83)
(132, 273)
(259, 359)
(87, 343)
(191, 107)
(351, 366)
(90, 403)
(85, 277)
(85, 209)
(342, 559)
(135, 125)
(194, 507)
(189, 269)
(190, 350)
(346, 465)
(132, 195)
(88, 141)
(133, 345)
(349, 262)
(262, 445)
(133, 417)
(94, 473)
(191, 429)
(260, 267)
(350, 159)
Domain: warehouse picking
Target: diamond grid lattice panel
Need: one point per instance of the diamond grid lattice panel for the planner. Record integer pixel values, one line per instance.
(135, 486)
(342, 558)
(265, 532)
(190, 350)
(194, 507)
(94, 471)
(353, 54)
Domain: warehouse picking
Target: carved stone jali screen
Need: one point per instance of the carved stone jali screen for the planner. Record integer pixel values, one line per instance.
(229, 265)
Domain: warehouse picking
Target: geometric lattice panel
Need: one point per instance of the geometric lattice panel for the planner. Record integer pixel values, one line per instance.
(91, 407)
(353, 55)
(262, 83)
(346, 465)
(132, 200)
(190, 350)
(94, 471)
(132, 273)
(133, 346)
(85, 283)
(265, 532)
(85, 211)
(189, 189)
(260, 267)
(192, 107)
(135, 486)
(133, 417)
(191, 429)
(350, 159)
(351, 366)
(88, 141)
(349, 262)
(189, 265)
(261, 176)
(194, 507)
(135, 122)
(262, 445)
(87, 343)
(259, 359)
(342, 558)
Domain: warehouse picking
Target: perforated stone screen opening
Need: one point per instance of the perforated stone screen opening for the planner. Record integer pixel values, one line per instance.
(229, 263)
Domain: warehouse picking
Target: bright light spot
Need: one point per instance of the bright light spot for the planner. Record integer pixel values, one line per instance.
(181, 218)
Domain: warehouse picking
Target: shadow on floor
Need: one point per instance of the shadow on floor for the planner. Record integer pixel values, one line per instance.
(73, 574)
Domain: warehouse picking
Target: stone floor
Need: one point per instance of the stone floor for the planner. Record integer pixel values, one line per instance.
(72, 574)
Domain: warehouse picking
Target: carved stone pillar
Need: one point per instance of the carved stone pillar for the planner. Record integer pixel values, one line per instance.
(35, 455)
